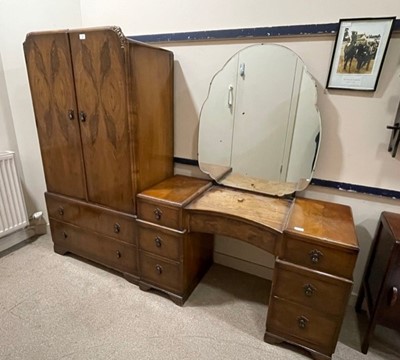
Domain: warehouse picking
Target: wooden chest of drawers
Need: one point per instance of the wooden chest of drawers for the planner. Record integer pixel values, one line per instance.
(102, 235)
(170, 258)
(312, 277)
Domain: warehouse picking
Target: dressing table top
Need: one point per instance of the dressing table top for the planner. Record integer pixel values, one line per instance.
(263, 210)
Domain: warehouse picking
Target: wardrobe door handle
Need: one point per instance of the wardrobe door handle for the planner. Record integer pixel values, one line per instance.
(71, 114)
(82, 116)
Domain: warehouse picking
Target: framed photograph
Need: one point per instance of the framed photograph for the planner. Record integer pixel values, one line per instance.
(359, 51)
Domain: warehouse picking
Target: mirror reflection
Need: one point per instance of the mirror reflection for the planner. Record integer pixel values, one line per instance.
(260, 126)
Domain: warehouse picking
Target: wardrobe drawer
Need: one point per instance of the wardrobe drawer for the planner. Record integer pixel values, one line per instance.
(318, 256)
(303, 325)
(108, 222)
(159, 241)
(102, 249)
(164, 274)
(320, 292)
(160, 214)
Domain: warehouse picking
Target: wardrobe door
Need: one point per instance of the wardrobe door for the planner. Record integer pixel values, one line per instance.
(98, 58)
(49, 68)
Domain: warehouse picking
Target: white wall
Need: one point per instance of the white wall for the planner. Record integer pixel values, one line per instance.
(354, 137)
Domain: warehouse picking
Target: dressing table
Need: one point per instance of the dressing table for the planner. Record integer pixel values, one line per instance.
(112, 197)
(314, 242)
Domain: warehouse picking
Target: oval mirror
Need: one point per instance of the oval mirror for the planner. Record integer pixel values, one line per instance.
(260, 126)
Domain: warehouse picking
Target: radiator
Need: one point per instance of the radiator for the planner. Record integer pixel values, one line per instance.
(13, 215)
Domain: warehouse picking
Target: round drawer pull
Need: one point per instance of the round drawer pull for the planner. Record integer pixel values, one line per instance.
(159, 269)
(302, 322)
(157, 214)
(118, 253)
(315, 256)
(64, 234)
(61, 211)
(157, 241)
(117, 228)
(309, 290)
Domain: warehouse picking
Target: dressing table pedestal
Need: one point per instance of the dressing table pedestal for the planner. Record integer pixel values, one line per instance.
(314, 242)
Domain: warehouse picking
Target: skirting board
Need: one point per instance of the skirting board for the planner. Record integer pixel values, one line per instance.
(19, 238)
(243, 265)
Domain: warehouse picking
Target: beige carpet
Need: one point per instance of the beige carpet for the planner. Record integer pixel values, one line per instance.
(59, 307)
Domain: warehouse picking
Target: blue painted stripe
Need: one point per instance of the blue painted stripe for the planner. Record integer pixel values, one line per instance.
(246, 33)
(357, 188)
(326, 183)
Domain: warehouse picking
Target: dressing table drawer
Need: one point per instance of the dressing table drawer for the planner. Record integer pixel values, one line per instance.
(160, 214)
(107, 222)
(321, 292)
(303, 325)
(102, 249)
(319, 257)
(161, 272)
(160, 241)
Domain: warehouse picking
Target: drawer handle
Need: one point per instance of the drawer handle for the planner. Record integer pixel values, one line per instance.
(118, 253)
(395, 295)
(302, 322)
(61, 211)
(159, 269)
(315, 256)
(64, 234)
(309, 290)
(117, 228)
(157, 214)
(157, 240)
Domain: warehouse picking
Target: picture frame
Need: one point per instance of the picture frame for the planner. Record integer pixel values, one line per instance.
(358, 54)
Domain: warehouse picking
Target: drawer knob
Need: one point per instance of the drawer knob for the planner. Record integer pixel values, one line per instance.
(159, 269)
(157, 214)
(315, 256)
(64, 234)
(117, 228)
(309, 290)
(61, 211)
(302, 322)
(118, 253)
(157, 241)
(395, 295)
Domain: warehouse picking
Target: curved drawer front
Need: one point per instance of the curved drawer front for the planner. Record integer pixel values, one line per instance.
(319, 257)
(160, 241)
(312, 289)
(102, 249)
(303, 325)
(165, 274)
(108, 222)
